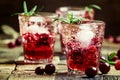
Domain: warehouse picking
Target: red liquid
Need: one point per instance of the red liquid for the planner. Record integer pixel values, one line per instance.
(38, 46)
(80, 58)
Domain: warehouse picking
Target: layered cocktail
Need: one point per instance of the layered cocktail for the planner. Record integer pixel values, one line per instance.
(83, 42)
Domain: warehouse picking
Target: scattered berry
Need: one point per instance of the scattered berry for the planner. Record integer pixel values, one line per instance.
(50, 69)
(39, 70)
(117, 65)
(110, 38)
(114, 58)
(104, 67)
(117, 40)
(91, 71)
(11, 45)
(118, 53)
(102, 58)
(18, 41)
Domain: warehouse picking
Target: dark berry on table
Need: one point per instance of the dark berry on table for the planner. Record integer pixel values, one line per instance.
(110, 38)
(50, 69)
(114, 58)
(91, 71)
(18, 41)
(39, 70)
(118, 53)
(117, 40)
(117, 65)
(104, 67)
(11, 45)
(102, 58)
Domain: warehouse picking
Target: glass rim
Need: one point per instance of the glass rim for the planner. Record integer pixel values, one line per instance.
(41, 14)
(87, 22)
(66, 8)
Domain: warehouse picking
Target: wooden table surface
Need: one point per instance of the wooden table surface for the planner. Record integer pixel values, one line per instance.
(13, 68)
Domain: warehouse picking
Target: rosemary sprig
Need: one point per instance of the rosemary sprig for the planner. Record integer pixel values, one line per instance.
(71, 19)
(89, 7)
(31, 12)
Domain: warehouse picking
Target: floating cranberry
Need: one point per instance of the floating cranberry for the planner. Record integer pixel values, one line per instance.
(104, 67)
(18, 41)
(117, 65)
(39, 70)
(11, 45)
(50, 69)
(118, 53)
(91, 71)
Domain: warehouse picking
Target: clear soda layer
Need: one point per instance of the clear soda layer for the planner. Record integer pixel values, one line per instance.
(38, 37)
(83, 43)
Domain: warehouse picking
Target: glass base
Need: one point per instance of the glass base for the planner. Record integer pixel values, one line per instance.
(38, 61)
(76, 72)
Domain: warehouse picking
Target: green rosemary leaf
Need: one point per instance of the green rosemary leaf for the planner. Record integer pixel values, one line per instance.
(63, 20)
(15, 14)
(32, 11)
(111, 56)
(25, 7)
(70, 17)
(41, 8)
(95, 6)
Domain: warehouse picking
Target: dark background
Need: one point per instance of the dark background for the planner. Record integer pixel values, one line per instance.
(110, 12)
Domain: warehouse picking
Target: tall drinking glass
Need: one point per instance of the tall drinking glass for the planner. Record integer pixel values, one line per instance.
(83, 43)
(38, 36)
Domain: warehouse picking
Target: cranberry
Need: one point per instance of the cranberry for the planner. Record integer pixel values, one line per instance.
(39, 70)
(117, 65)
(104, 67)
(18, 41)
(110, 38)
(102, 58)
(50, 69)
(117, 40)
(118, 53)
(11, 45)
(92, 49)
(91, 71)
(114, 58)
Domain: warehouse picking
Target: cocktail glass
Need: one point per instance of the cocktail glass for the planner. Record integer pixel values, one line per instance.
(77, 12)
(38, 36)
(83, 43)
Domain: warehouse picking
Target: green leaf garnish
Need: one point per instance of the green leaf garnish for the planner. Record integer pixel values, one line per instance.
(95, 6)
(71, 19)
(31, 12)
(111, 56)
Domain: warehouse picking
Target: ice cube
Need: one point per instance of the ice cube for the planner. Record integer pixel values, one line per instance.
(85, 36)
(85, 27)
(36, 29)
(37, 19)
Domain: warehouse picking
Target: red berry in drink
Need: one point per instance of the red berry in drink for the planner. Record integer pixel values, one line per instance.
(11, 45)
(18, 41)
(50, 69)
(104, 67)
(118, 53)
(39, 70)
(91, 71)
(117, 65)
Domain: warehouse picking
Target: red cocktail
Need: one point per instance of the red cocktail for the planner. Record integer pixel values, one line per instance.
(77, 12)
(38, 35)
(82, 42)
